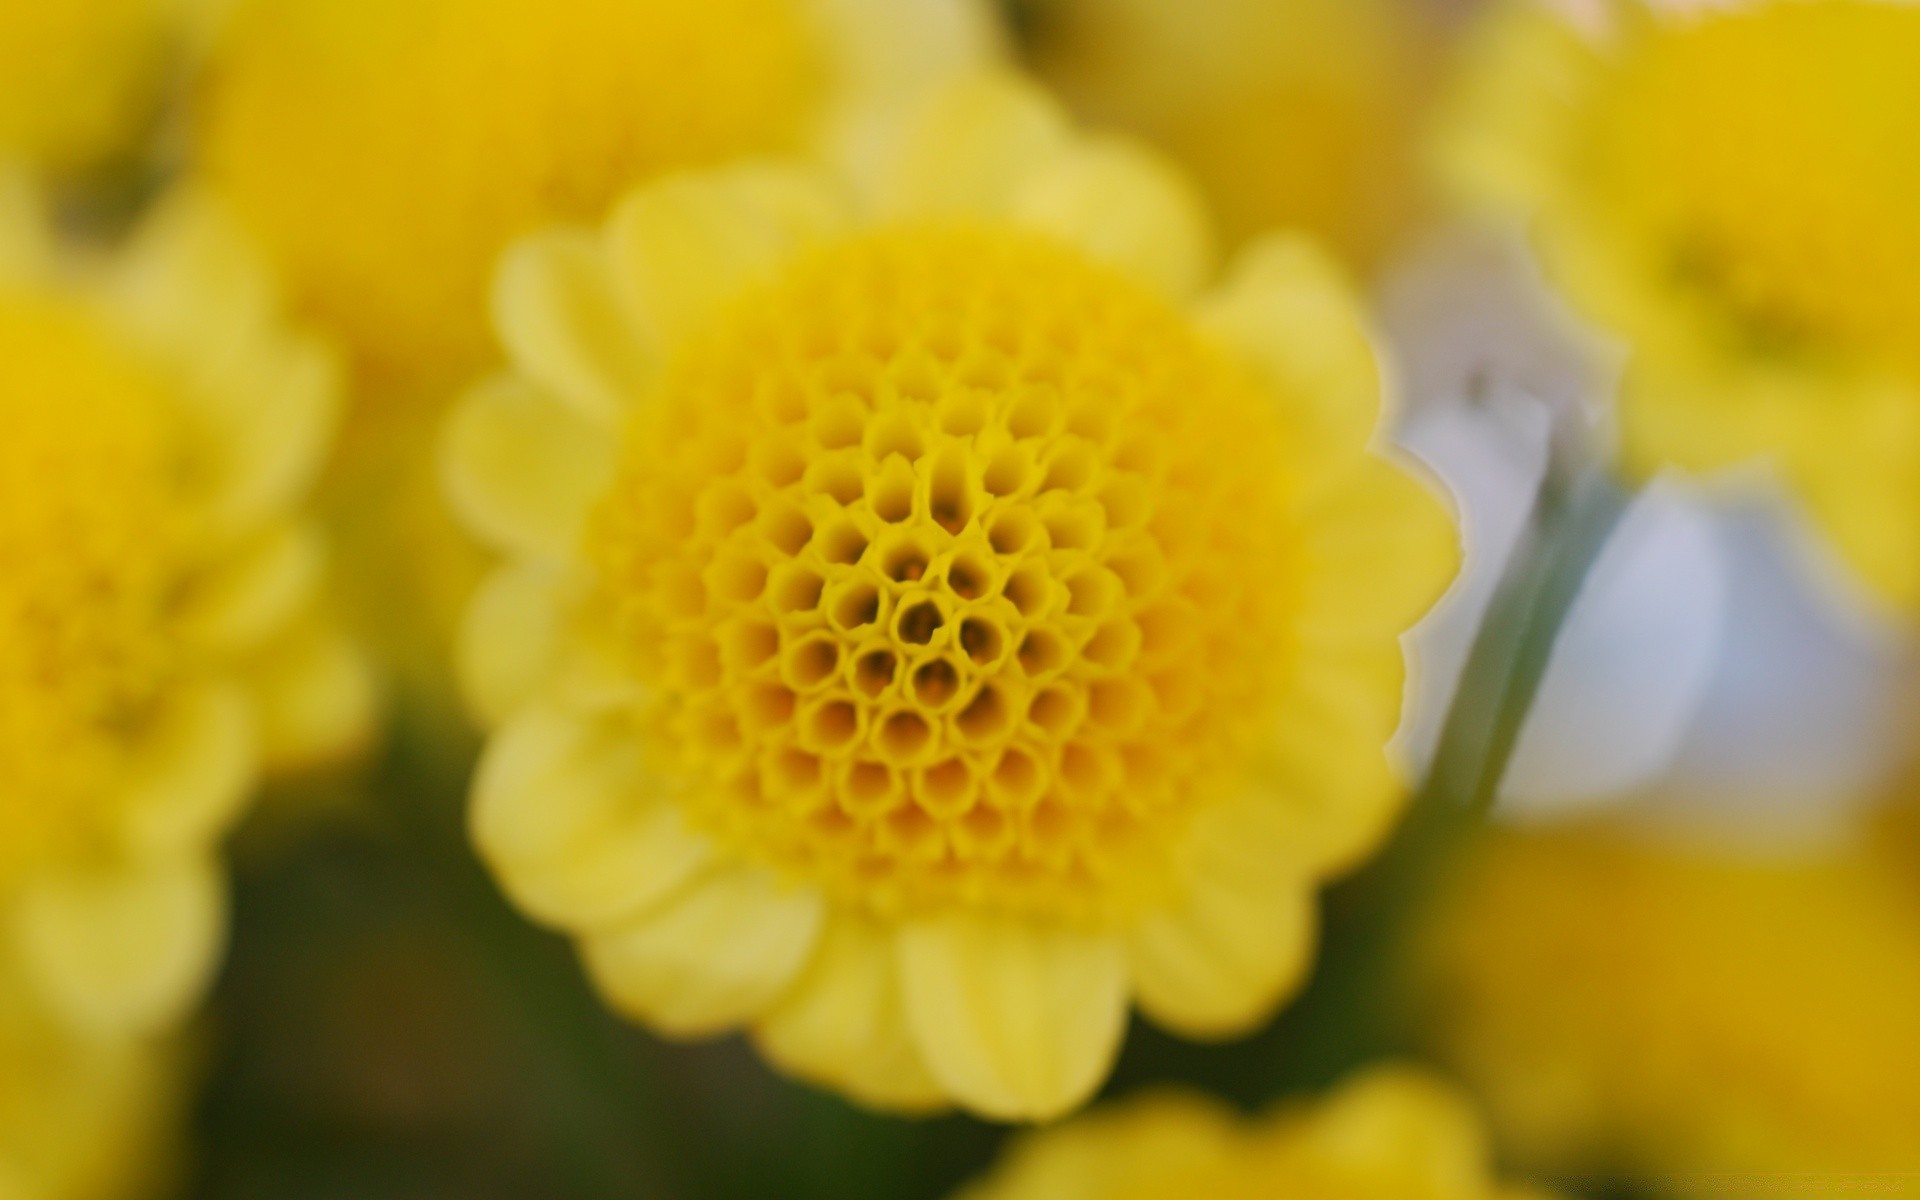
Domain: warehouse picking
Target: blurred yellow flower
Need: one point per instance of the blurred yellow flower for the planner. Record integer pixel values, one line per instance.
(1731, 190)
(1298, 114)
(159, 637)
(386, 150)
(1389, 1134)
(929, 629)
(79, 78)
(1624, 1005)
(81, 1117)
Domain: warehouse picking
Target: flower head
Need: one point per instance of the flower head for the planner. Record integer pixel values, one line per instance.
(1389, 1134)
(158, 632)
(928, 629)
(1630, 1006)
(384, 151)
(1730, 189)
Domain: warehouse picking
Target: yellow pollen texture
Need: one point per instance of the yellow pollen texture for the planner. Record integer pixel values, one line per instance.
(1775, 150)
(958, 565)
(88, 558)
(386, 150)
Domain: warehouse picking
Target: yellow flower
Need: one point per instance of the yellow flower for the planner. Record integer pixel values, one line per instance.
(385, 151)
(78, 78)
(1388, 1134)
(937, 620)
(1732, 192)
(81, 1117)
(1289, 115)
(159, 639)
(1621, 1004)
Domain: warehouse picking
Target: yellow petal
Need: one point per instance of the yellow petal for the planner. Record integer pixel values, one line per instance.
(971, 148)
(886, 53)
(1126, 207)
(249, 597)
(1400, 1123)
(315, 699)
(683, 247)
(192, 772)
(24, 253)
(845, 1024)
(1238, 939)
(1018, 1021)
(191, 289)
(1288, 312)
(126, 949)
(510, 639)
(522, 471)
(273, 426)
(565, 812)
(714, 956)
(188, 281)
(1327, 766)
(557, 312)
(1384, 547)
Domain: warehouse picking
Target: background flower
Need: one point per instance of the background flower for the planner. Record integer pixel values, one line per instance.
(163, 642)
(1389, 1134)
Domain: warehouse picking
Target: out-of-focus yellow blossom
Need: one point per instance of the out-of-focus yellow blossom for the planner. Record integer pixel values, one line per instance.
(1298, 114)
(936, 621)
(81, 1117)
(160, 641)
(1626, 1005)
(1389, 1134)
(385, 151)
(78, 78)
(1731, 188)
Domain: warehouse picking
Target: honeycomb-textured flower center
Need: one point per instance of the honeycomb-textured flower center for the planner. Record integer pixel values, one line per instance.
(385, 150)
(88, 567)
(1776, 150)
(959, 565)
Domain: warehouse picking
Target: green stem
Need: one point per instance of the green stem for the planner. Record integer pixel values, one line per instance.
(1351, 1011)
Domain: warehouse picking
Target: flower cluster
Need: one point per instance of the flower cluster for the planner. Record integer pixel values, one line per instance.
(904, 531)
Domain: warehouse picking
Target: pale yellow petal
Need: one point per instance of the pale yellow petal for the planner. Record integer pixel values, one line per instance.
(885, 53)
(24, 252)
(189, 282)
(272, 426)
(1504, 133)
(1238, 938)
(1124, 206)
(192, 772)
(579, 834)
(125, 949)
(522, 471)
(556, 310)
(1327, 765)
(251, 595)
(1401, 1123)
(1288, 312)
(686, 246)
(1383, 547)
(315, 699)
(714, 956)
(971, 147)
(1017, 1020)
(190, 288)
(1146, 1145)
(845, 1024)
(510, 639)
